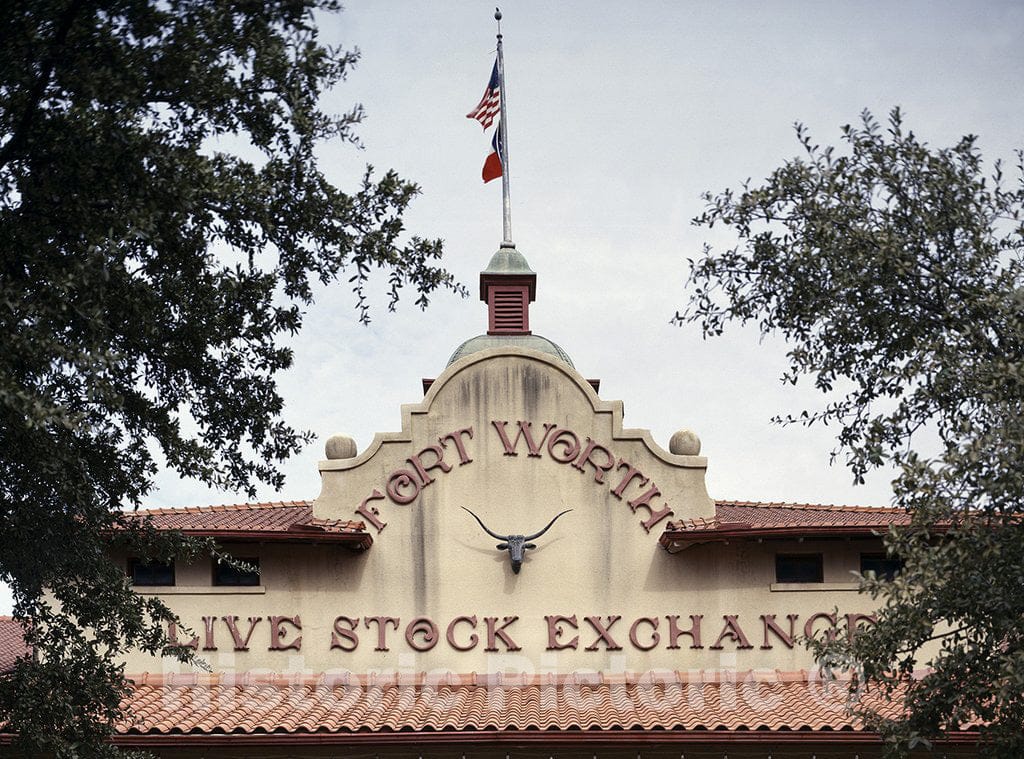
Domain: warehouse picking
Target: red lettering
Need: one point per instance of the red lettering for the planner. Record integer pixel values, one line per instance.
(770, 625)
(382, 630)
(456, 439)
(241, 644)
(425, 628)
(853, 621)
(499, 632)
(645, 501)
(439, 463)
(555, 631)
(371, 514)
(645, 498)
(655, 635)
(603, 634)
(277, 632)
(656, 516)
(208, 638)
(674, 633)
(398, 481)
(733, 631)
(809, 627)
(346, 640)
(570, 446)
(172, 637)
(632, 473)
(587, 457)
(524, 433)
(450, 634)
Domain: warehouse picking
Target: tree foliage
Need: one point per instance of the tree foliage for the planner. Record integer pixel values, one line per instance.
(894, 272)
(163, 221)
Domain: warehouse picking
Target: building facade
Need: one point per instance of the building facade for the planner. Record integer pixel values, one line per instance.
(512, 573)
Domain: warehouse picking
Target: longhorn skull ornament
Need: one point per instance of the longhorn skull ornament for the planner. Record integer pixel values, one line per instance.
(516, 545)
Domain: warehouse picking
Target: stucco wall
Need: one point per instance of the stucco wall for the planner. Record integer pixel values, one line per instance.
(432, 562)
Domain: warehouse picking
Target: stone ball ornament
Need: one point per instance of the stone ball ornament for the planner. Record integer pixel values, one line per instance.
(340, 447)
(684, 443)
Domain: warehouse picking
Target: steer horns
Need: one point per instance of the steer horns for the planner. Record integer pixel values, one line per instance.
(516, 545)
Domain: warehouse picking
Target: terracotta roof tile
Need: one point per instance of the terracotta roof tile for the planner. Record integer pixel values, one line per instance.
(268, 520)
(12, 643)
(809, 515)
(275, 515)
(736, 519)
(349, 703)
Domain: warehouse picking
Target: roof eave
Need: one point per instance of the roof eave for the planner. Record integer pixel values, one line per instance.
(676, 540)
(356, 541)
(588, 737)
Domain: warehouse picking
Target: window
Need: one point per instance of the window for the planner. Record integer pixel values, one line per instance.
(798, 567)
(146, 572)
(226, 574)
(883, 566)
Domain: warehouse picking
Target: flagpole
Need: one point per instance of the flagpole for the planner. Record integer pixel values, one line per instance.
(506, 203)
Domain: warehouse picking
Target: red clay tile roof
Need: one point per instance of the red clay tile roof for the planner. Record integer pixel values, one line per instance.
(739, 519)
(348, 705)
(12, 644)
(272, 515)
(775, 515)
(276, 520)
(294, 521)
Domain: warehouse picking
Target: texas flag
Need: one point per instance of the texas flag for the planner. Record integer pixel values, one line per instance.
(492, 164)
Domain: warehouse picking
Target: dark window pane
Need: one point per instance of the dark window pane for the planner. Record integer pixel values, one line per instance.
(880, 564)
(225, 574)
(145, 572)
(798, 567)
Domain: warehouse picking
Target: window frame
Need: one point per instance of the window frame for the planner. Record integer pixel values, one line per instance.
(894, 564)
(239, 580)
(794, 579)
(135, 562)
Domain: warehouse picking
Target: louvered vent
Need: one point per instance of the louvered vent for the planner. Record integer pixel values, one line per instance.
(507, 311)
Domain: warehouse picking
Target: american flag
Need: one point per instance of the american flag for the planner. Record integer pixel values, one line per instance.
(490, 103)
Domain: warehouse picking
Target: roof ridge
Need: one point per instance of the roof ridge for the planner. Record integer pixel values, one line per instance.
(253, 506)
(810, 506)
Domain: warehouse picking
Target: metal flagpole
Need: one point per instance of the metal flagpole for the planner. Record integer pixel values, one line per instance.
(506, 203)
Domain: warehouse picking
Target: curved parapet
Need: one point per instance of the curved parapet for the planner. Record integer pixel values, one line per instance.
(511, 418)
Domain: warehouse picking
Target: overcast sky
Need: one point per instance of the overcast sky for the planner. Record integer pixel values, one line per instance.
(620, 116)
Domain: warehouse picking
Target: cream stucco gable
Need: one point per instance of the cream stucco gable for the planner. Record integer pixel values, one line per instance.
(515, 432)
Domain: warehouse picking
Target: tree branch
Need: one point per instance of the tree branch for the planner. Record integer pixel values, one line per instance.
(35, 96)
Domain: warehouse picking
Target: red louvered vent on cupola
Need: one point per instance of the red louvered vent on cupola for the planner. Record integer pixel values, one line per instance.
(508, 310)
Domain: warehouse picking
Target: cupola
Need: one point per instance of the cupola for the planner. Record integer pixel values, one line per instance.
(508, 285)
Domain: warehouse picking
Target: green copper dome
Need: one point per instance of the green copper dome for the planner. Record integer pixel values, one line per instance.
(529, 342)
(508, 260)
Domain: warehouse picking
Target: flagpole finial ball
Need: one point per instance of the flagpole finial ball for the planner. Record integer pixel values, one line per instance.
(497, 14)
(685, 443)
